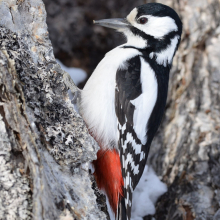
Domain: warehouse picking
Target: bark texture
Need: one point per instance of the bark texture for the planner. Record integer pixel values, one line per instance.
(44, 144)
(186, 151)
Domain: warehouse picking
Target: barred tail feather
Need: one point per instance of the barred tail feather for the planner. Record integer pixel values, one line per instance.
(121, 212)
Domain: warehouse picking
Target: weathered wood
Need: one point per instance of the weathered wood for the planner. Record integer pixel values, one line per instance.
(186, 151)
(45, 146)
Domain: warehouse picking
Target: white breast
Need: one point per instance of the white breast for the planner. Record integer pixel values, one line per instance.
(98, 96)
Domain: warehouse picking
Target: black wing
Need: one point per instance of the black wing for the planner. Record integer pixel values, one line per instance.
(128, 88)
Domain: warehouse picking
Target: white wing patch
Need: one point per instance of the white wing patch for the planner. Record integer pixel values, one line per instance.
(145, 103)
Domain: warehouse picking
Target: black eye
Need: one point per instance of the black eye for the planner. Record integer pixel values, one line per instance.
(143, 20)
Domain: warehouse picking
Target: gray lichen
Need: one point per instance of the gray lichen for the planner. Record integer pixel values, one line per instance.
(40, 125)
(15, 197)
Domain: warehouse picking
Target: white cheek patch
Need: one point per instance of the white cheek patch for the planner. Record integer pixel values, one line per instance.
(157, 26)
(166, 56)
(135, 40)
(132, 15)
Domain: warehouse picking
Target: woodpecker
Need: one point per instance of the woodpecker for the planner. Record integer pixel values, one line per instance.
(123, 101)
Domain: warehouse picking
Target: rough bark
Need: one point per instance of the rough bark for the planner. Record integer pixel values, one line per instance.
(186, 150)
(44, 144)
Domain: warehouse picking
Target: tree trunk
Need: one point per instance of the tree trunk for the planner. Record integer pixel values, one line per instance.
(186, 150)
(44, 144)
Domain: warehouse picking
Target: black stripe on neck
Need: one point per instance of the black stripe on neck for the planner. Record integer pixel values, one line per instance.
(154, 44)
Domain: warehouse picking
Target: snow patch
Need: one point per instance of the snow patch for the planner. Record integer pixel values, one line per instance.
(78, 75)
(148, 190)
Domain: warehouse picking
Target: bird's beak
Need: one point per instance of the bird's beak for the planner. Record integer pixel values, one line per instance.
(115, 23)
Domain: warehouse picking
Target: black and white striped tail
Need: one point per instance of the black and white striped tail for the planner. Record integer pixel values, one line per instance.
(121, 212)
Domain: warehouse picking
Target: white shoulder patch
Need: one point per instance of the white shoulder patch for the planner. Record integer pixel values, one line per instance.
(145, 103)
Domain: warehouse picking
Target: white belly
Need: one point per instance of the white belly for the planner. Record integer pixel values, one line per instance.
(98, 96)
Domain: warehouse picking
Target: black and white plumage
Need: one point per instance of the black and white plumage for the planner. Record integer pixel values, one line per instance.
(124, 100)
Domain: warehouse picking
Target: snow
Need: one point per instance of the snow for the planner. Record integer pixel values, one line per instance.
(148, 190)
(146, 194)
(78, 75)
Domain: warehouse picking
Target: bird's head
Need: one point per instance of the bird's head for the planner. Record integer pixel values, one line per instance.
(154, 27)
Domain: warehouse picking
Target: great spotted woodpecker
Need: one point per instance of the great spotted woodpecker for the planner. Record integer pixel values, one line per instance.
(124, 100)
